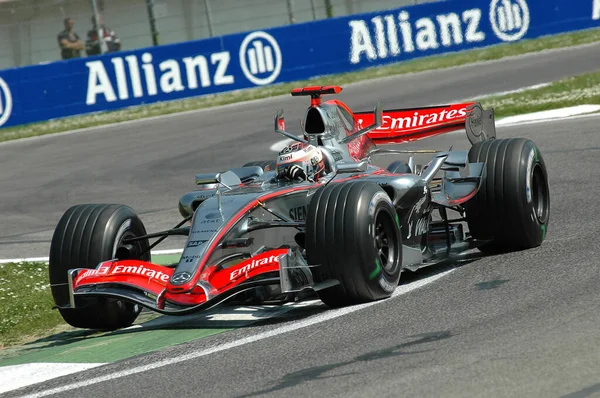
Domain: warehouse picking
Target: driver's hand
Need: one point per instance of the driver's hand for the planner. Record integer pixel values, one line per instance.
(294, 172)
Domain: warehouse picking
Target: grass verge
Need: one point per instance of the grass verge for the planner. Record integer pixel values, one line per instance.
(572, 91)
(25, 303)
(429, 63)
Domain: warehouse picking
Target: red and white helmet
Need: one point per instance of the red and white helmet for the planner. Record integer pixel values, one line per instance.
(308, 157)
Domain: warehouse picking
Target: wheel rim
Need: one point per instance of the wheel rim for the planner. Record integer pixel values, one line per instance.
(539, 194)
(137, 244)
(385, 241)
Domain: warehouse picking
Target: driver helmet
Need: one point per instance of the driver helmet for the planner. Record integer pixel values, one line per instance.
(308, 157)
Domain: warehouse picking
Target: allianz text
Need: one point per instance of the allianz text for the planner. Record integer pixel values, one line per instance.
(166, 77)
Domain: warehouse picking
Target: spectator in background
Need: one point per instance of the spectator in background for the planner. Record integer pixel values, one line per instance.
(111, 42)
(69, 42)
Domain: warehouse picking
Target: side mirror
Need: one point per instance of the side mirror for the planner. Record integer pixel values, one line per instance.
(227, 179)
(210, 178)
(378, 113)
(279, 123)
(358, 167)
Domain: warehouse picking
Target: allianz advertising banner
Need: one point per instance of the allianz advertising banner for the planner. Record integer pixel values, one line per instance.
(276, 55)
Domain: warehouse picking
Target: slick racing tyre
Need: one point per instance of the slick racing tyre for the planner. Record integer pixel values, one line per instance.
(85, 236)
(353, 236)
(267, 165)
(512, 206)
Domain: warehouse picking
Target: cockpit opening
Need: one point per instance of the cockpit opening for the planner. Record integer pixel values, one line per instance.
(314, 122)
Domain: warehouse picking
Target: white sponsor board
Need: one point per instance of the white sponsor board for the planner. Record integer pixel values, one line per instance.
(138, 76)
(391, 35)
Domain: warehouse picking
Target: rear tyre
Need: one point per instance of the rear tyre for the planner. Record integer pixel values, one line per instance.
(85, 236)
(267, 165)
(353, 234)
(512, 206)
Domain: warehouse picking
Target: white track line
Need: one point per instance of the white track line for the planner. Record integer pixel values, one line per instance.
(45, 259)
(168, 251)
(516, 91)
(19, 376)
(332, 314)
(550, 115)
(25, 260)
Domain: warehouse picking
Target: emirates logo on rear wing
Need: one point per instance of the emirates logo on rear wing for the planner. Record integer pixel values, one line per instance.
(415, 119)
(403, 125)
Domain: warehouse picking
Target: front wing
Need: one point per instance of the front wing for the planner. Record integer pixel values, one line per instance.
(145, 283)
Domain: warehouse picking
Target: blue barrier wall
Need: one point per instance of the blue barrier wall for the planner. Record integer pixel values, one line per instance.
(282, 54)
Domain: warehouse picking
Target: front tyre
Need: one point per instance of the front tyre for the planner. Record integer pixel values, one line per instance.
(512, 206)
(353, 235)
(85, 236)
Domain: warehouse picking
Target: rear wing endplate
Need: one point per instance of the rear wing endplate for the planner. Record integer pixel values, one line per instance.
(480, 124)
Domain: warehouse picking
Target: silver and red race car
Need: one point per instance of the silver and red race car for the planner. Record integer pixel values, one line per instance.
(320, 218)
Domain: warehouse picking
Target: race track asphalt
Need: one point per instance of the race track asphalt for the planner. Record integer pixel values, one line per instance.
(524, 324)
(149, 164)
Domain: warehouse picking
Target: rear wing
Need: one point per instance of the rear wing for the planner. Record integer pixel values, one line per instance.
(406, 125)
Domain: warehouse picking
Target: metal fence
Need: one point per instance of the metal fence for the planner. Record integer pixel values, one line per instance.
(29, 29)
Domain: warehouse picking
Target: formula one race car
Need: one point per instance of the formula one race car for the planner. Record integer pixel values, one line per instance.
(321, 218)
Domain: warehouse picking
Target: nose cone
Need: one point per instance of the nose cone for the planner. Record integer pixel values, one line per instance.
(210, 225)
